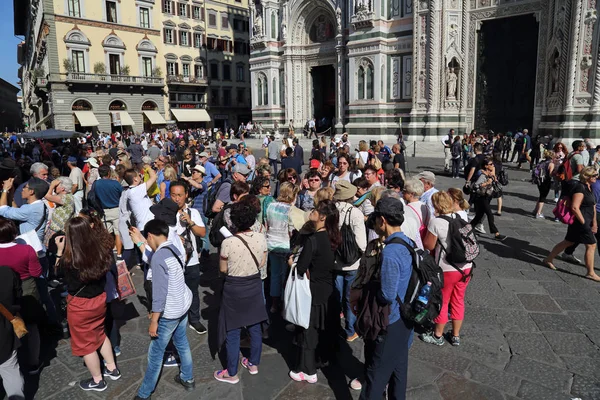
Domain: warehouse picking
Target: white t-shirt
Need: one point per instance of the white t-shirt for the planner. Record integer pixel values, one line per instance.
(124, 215)
(76, 177)
(349, 177)
(419, 211)
(364, 155)
(439, 227)
(180, 229)
(139, 203)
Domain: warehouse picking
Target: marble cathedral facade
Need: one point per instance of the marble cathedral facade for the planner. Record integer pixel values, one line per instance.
(378, 66)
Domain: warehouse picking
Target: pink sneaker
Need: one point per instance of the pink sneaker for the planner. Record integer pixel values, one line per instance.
(222, 376)
(252, 369)
(355, 384)
(301, 376)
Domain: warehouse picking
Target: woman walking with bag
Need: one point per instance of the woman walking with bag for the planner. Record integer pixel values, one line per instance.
(85, 259)
(584, 227)
(319, 240)
(243, 261)
(542, 176)
(483, 190)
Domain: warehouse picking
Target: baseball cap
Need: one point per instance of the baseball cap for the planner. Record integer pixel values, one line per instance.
(241, 169)
(200, 169)
(391, 208)
(72, 160)
(427, 175)
(203, 154)
(315, 163)
(232, 147)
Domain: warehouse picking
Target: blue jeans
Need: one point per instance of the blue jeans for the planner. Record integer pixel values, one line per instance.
(278, 262)
(205, 242)
(167, 329)
(232, 347)
(343, 281)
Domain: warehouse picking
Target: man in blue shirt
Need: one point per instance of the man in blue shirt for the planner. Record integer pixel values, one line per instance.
(386, 358)
(212, 174)
(108, 192)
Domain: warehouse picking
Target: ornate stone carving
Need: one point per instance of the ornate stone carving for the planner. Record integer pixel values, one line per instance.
(338, 19)
(451, 83)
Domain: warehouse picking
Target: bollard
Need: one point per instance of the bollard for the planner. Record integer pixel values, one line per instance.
(414, 149)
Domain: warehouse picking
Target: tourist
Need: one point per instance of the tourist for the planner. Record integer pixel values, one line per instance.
(415, 208)
(346, 269)
(306, 196)
(363, 196)
(212, 174)
(12, 380)
(137, 198)
(23, 260)
(544, 183)
(92, 174)
(189, 227)
(249, 157)
(585, 226)
(316, 344)
(456, 152)
(239, 174)
(60, 194)
(362, 155)
(261, 188)
(315, 153)
(399, 160)
(386, 358)
(84, 258)
(372, 174)
(37, 170)
(290, 161)
(108, 192)
(76, 176)
(171, 299)
(325, 170)
(169, 175)
(243, 261)
(447, 143)
(460, 204)
(273, 151)
(325, 193)
(483, 190)
(456, 276)
(279, 231)
(343, 171)
(428, 180)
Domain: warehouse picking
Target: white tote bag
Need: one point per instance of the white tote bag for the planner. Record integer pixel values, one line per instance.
(297, 299)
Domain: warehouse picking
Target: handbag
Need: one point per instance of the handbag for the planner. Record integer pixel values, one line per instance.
(17, 323)
(125, 286)
(563, 212)
(297, 298)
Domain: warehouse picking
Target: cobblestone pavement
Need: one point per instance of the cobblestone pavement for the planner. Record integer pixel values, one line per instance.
(529, 333)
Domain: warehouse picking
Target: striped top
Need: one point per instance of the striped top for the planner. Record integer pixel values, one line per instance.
(170, 294)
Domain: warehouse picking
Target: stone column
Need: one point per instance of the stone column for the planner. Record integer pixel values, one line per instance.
(340, 79)
(573, 56)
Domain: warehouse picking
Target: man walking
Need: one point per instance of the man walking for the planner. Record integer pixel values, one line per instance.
(447, 143)
(108, 192)
(76, 177)
(171, 299)
(273, 149)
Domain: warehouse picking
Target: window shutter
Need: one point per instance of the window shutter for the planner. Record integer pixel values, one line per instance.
(174, 36)
(176, 68)
(189, 35)
(188, 11)
(162, 4)
(176, 10)
(164, 35)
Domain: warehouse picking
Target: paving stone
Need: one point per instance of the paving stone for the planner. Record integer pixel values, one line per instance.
(538, 303)
(521, 286)
(428, 392)
(559, 289)
(593, 335)
(586, 388)
(532, 345)
(454, 387)
(492, 357)
(481, 315)
(554, 322)
(131, 375)
(75, 393)
(574, 304)
(588, 320)
(492, 377)
(204, 364)
(272, 379)
(303, 390)
(420, 373)
(516, 321)
(589, 367)
(439, 356)
(531, 391)
(134, 346)
(542, 275)
(54, 379)
(542, 374)
(576, 344)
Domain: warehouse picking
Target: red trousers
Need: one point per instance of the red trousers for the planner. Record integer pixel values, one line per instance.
(453, 293)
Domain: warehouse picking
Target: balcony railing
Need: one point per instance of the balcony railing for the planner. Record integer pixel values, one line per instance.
(186, 79)
(112, 78)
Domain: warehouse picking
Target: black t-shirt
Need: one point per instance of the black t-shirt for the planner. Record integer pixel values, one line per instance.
(318, 258)
(10, 287)
(475, 162)
(88, 290)
(292, 162)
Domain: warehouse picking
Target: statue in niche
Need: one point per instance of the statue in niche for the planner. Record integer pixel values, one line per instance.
(257, 22)
(284, 30)
(338, 19)
(554, 72)
(451, 81)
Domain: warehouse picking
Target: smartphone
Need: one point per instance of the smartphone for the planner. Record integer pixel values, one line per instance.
(128, 224)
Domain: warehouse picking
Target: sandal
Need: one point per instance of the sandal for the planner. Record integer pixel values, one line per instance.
(548, 264)
(594, 278)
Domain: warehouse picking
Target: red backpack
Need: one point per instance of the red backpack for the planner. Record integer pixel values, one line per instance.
(565, 172)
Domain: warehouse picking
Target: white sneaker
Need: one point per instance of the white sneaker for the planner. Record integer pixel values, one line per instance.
(556, 199)
(540, 216)
(479, 228)
(570, 258)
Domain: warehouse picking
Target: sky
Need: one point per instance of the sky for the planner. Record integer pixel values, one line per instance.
(8, 44)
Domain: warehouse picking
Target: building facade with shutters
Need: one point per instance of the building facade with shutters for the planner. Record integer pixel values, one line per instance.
(91, 64)
(206, 59)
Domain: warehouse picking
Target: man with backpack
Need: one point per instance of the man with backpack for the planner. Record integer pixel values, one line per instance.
(386, 357)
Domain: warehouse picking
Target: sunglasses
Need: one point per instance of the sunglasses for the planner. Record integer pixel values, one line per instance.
(291, 177)
(314, 180)
(266, 186)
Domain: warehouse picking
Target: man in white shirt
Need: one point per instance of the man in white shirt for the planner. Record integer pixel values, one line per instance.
(137, 196)
(189, 227)
(76, 177)
(428, 179)
(447, 143)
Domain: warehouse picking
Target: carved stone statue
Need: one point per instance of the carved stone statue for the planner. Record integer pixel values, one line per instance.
(258, 31)
(283, 30)
(554, 71)
(338, 19)
(451, 81)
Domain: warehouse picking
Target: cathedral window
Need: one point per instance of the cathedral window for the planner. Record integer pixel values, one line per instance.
(365, 80)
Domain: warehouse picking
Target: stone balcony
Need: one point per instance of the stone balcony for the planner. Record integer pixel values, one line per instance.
(186, 80)
(108, 79)
(362, 19)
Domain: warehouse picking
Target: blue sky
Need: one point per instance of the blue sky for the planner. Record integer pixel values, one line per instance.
(8, 45)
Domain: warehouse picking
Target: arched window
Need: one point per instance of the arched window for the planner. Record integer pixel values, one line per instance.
(274, 90)
(266, 91)
(366, 76)
(260, 91)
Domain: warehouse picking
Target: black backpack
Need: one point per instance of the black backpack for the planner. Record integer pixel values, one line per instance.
(348, 251)
(93, 202)
(214, 236)
(464, 247)
(424, 269)
(211, 197)
(503, 177)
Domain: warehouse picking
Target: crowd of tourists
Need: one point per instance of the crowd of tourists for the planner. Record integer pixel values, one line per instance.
(351, 221)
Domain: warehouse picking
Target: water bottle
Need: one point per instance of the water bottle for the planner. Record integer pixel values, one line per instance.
(65, 329)
(421, 303)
